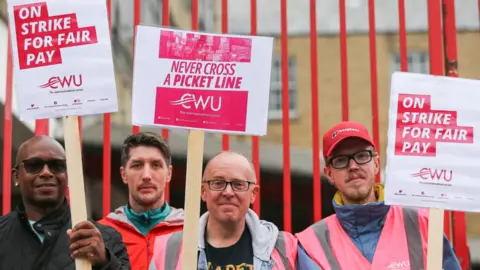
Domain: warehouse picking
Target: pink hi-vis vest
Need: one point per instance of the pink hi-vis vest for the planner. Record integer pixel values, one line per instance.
(168, 250)
(402, 243)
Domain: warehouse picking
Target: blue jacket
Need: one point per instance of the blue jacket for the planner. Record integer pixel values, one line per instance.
(364, 223)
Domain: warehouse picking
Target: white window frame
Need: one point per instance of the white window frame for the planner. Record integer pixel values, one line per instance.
(275, 98)
(417, 61)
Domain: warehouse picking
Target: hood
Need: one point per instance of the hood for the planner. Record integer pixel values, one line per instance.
(264, 234)
(360, 219)
(175, 217)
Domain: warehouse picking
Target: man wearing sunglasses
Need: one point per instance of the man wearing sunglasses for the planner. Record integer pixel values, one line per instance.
(231, 235)
(364, 233)
(38, 234)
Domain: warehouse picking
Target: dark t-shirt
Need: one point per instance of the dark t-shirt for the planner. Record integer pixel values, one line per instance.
(236, 257)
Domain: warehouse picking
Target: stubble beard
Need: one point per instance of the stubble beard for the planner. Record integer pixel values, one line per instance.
(360, 194)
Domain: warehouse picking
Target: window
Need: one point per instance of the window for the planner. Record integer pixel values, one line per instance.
(275, 100)
(418, 62)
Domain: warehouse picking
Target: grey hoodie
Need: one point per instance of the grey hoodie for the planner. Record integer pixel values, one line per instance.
(264, 236)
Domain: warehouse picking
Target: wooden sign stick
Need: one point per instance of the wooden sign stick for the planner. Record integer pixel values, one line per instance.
(78, 205)
(435, 239)
(192, 199)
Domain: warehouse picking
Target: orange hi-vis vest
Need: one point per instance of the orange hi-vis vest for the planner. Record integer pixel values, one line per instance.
(402, 243)
(139, 246)
(168, 250)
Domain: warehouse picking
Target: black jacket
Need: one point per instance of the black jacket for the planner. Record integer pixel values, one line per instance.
(21, 249)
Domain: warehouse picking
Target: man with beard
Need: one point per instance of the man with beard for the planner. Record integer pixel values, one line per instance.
(364, 233)
(231, 235)
(146, 169)
(37, 234)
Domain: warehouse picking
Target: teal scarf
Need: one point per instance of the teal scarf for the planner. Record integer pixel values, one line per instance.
(145, 221)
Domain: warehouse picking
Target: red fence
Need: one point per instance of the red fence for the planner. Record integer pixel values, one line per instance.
(443, 61)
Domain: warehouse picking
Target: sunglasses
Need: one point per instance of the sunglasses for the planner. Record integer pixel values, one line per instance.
(36, 165)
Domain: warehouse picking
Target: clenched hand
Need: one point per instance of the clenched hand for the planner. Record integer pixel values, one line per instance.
(86, 242)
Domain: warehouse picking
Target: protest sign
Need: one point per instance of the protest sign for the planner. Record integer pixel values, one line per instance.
(63, 68)
(202, 82)
(62, 58)
(432, 151)
(218, 83)
(433, 143)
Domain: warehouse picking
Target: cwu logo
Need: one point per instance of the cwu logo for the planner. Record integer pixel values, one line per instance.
(63, 82)
(188, 101)
(434, 174)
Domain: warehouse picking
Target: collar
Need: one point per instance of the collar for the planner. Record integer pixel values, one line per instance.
(148, 216)
(51, 222)
(360, 219)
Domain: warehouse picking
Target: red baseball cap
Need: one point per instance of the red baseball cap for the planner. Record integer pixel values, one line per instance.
(342, 131)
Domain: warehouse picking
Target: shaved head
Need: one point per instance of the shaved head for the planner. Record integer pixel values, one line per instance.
(40, 174)
(26, 147)
(229, 188)
(230, 156)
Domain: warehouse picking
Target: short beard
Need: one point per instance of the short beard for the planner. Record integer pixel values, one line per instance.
(359, 196)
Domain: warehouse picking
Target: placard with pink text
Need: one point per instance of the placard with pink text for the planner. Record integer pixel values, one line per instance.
(62, 58)
(433, 151)
(193, 80)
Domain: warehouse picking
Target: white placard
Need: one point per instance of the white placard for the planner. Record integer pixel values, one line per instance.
(433, 152)
(62, 58)
(209, 82)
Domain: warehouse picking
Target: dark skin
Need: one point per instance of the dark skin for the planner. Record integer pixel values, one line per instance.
(44, 192)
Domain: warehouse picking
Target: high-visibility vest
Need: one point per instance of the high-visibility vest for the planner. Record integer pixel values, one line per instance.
(168, 250)
(402, 243)
(139, 246)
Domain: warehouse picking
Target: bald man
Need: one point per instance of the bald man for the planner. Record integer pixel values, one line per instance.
(37, 234)
(231, 235)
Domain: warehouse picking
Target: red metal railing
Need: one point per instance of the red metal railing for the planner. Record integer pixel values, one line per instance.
(344, 59)
(451, 69)
(225, 138)
(255, 139)
(435, 42)
(166, 23)
(137, 13)
(287, 189)
(440, 38)
(107, 145)
(373, 74)
(7, 134)
(317, 187)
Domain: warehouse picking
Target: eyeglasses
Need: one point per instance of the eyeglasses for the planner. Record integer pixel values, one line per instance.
(221, 185)
(342, 162)
(36, 165)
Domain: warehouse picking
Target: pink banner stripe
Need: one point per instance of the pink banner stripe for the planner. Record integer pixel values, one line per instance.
(200, 47)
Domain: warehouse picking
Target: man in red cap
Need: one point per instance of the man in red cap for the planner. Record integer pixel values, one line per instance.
(364, 233)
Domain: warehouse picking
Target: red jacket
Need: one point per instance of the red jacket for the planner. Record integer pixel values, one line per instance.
(140, 247)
